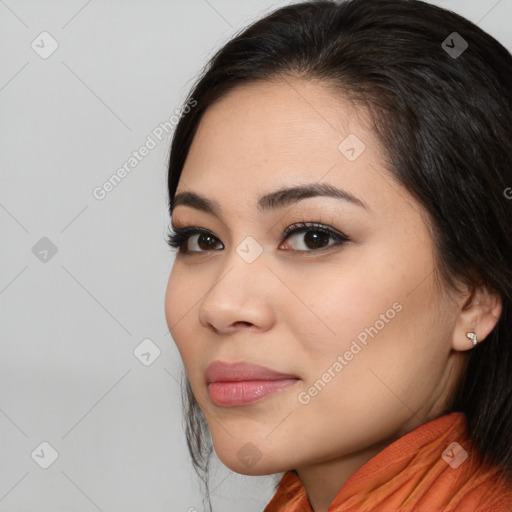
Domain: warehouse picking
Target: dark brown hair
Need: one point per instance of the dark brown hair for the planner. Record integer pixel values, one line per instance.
(445, 121)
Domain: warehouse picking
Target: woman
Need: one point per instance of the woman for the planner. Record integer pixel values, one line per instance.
(341, 294)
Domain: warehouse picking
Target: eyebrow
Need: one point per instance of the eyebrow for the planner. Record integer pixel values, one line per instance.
(274, 200)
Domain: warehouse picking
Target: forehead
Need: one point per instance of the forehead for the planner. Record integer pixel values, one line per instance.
(267, 135)
(285, 120)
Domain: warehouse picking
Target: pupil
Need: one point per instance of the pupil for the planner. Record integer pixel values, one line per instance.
(208, 242)
(316, 239)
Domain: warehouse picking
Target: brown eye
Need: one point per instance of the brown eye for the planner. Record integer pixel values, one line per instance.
(308, 238)
(192, 239)
(316, 239)
(206, 242)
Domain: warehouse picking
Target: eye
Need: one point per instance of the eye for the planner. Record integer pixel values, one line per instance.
(192, 239)
(311, 237)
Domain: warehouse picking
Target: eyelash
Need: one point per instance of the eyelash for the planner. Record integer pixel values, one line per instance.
(177, 238)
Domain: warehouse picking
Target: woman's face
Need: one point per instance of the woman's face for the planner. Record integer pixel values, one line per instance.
(358, 327)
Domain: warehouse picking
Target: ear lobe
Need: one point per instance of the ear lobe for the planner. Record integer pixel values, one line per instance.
(479, 313)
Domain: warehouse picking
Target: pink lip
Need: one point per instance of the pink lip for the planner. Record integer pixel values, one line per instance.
(219, 371)
(235, 384)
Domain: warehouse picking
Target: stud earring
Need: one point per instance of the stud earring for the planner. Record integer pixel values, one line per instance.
(472, 337)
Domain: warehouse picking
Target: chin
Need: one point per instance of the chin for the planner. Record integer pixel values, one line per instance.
(248, 460)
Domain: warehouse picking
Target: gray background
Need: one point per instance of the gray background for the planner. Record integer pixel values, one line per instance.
(70, 321)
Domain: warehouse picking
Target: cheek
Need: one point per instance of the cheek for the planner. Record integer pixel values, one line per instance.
(172, 304)
(332, 303)
(376, 333)
(365, 305)
(179, 308)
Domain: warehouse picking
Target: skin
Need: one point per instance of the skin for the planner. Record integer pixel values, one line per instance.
(296, 311)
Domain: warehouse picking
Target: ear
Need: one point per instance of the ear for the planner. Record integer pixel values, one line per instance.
(480, 311)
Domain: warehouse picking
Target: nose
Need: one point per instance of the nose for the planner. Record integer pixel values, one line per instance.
(239, 297)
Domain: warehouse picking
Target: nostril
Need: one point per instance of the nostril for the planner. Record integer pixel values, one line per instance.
(242, 322)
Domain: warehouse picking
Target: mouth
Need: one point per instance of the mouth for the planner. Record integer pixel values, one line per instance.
(238, 384)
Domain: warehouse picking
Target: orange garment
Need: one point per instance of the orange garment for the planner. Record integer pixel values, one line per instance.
(412, 475)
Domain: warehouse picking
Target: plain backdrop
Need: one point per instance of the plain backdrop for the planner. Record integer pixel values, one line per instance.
(89, 375)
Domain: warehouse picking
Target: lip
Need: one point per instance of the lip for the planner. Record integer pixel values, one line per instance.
(220, 371)
(237, 384)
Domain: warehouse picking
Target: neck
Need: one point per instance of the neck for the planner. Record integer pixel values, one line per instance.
(323, 481)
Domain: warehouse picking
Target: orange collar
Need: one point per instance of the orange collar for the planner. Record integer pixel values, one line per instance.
(426, 470)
